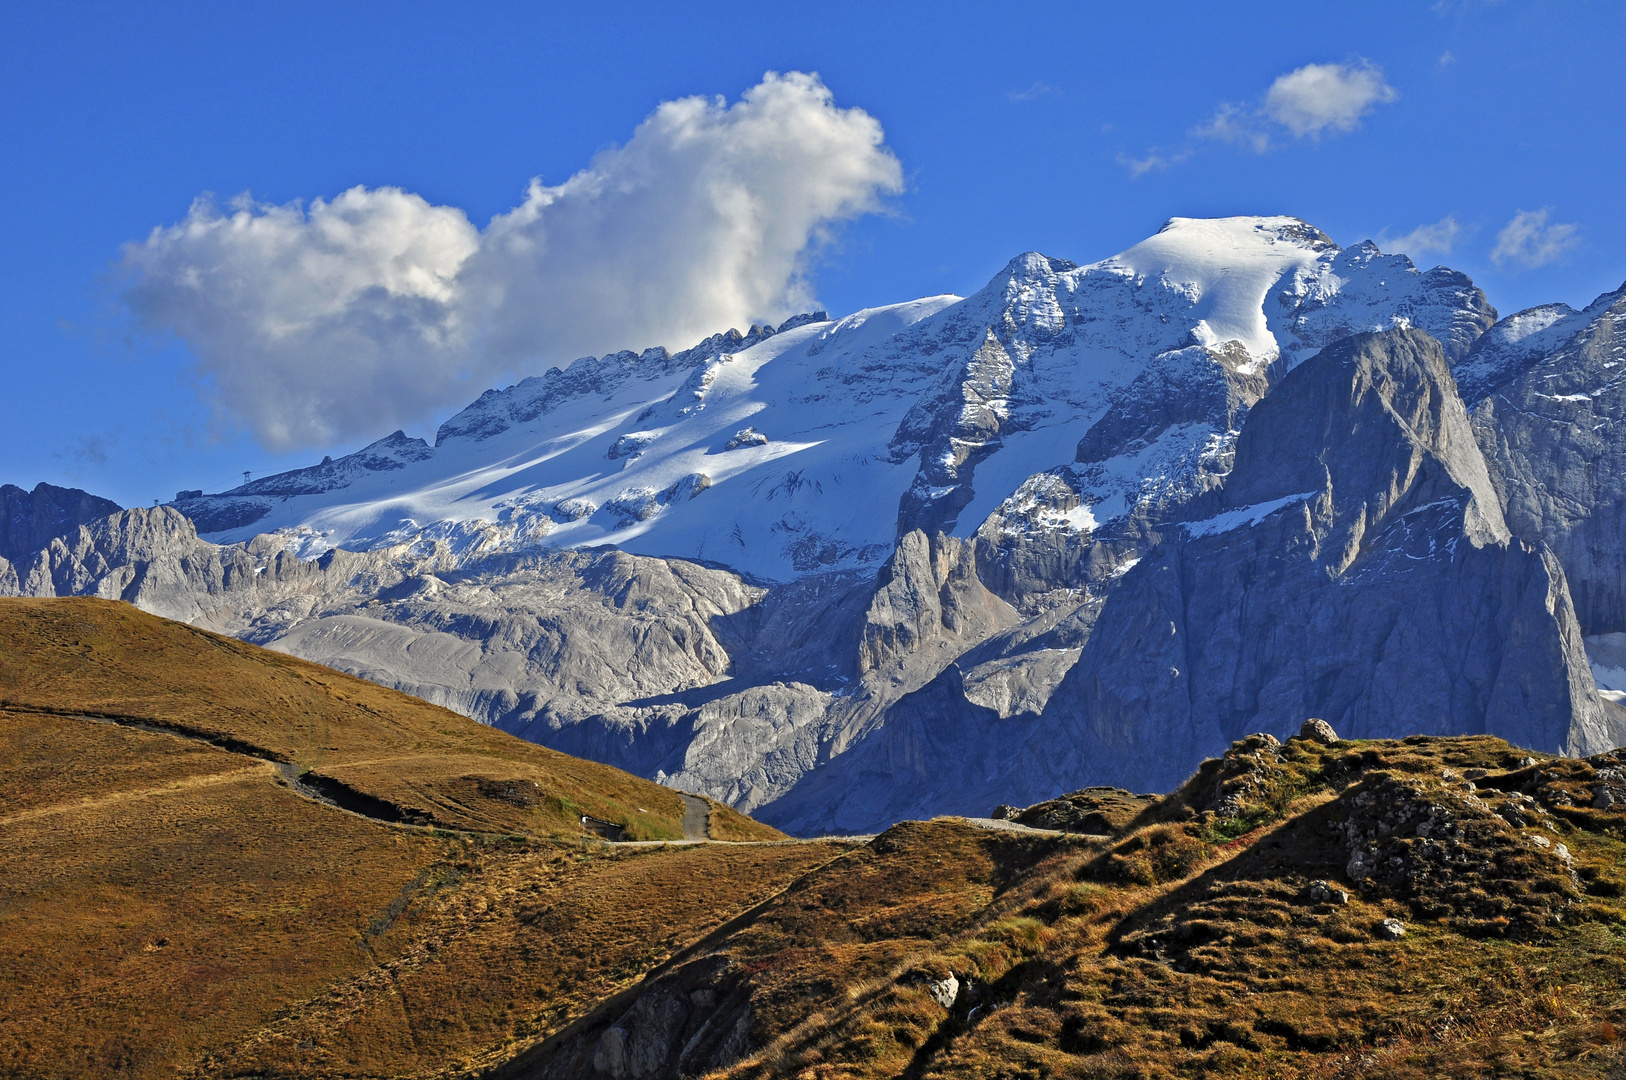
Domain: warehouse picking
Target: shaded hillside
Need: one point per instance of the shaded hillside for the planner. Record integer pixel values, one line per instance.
(1430, 907)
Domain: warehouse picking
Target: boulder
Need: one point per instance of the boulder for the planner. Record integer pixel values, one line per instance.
(1318, 731)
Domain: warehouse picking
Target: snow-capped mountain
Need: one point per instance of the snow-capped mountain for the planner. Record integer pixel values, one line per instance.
(780, 453)
(847, 570)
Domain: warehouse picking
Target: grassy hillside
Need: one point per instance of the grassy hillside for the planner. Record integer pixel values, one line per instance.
(175, 906)
(1223, 932)
(423, 763)
(178, 901)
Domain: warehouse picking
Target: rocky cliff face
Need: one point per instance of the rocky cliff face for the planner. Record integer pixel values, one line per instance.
(1549, 410)
(1353, 565)
(31, 519)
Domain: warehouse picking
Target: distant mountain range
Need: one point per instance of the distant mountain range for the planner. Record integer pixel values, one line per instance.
(1088, 525)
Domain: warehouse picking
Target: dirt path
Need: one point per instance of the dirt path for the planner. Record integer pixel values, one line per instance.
(1001, 825)
(173, 787)
(696, 817)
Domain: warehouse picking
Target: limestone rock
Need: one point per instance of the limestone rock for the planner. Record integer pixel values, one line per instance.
(1550, 413)
(1391, 929)
(945, 991)
(29, 520)
(1318, 731)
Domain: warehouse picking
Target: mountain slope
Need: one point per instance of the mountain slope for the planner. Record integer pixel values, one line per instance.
(201, 853)
(1310, 909)
(411, 761)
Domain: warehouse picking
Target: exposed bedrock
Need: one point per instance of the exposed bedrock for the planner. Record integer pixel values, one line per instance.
(1552, 423)
(1354, 566)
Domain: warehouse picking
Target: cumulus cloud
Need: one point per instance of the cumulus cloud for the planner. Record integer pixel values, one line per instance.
(1320, 97)
(1529, 241)
(1437, 238)
(1305, 103)
(312, 323)
(375, 309)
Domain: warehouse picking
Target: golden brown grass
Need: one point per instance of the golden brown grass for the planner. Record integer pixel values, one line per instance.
(171, 907)
(1187, 945)
(99, 657)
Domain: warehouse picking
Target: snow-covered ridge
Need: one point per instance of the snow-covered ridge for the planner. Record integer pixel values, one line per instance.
(927, 414)
(1523, 337)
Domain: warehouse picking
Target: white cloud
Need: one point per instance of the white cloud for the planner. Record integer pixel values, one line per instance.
(1529, 241)
(1153, 161)
(1319, 97)
(312, 324)
(375, 309)
(1437, 238)
(1306, 103)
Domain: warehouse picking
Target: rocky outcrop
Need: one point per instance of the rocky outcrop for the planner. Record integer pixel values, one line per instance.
(952, 432)
(1551, 419)
(31, 519)
(928, 593)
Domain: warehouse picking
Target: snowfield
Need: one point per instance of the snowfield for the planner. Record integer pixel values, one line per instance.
(782, 453)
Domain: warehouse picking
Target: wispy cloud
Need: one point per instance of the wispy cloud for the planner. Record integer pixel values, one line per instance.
(1529, 241)
(1034, 92)
(1237, 125)
(317, 322)
(1152, 161)
(1436, 238)
(90, 450)
(1310, 102)
(1442, 8)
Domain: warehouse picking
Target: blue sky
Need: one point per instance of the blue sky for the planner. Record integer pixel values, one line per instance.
(1074, 129)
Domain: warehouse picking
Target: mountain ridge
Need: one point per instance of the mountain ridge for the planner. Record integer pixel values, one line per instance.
(733, 573)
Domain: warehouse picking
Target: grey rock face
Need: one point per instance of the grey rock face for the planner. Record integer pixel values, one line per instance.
(927, 592)
(1331, 576)
(31, 519)
(689, 1022)
(1354, 566)
(1552, 423)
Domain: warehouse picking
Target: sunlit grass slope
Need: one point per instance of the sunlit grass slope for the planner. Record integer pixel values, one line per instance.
(170, 907)
(426, 764)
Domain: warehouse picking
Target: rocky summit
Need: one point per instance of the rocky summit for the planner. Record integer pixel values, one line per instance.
(1087, 526)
